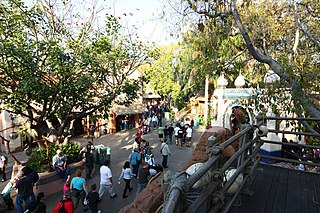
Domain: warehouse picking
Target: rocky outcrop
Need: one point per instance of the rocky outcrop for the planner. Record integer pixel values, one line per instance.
(149, 200)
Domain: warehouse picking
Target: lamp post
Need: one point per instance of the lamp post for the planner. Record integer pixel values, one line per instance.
(12, 136)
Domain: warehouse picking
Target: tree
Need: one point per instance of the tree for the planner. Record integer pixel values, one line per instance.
(275, 42)
(51, 74)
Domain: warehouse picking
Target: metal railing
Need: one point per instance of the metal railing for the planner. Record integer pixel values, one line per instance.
(214, 195)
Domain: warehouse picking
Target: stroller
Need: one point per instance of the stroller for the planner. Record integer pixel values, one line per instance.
(6, 194)
(145, 129)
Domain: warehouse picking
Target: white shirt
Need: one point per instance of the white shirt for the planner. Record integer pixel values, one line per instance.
(2, 160)
(149, 160)
(189, 132)
(176, 129)
(105, 175)
(126, 174)
(165, 149)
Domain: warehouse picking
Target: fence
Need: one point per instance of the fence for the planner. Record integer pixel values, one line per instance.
(215, 196)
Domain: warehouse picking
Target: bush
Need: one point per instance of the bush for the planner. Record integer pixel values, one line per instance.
(39, 162)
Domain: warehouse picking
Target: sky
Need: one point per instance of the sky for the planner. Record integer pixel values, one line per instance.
(140, 13)
(143, 14)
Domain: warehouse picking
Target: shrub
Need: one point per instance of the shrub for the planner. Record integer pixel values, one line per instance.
(39, 161)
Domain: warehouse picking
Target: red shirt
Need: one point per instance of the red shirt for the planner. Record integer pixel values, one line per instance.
(68, 206)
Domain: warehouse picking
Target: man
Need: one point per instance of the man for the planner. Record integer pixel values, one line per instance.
(3, 164)
(143, 177)
(88, 159)
(166, 132)
(106, 181)
(180, 137)
(188, 135)
(170, 130)
(24, 187)
(160, 132)
(59, 163)
(165, 151)
(176, 129)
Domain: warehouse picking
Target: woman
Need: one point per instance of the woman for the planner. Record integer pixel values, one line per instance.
(126, 174)
(79, 188)
(135, 159)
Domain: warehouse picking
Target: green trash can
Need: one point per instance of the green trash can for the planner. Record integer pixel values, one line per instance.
(96, 153)
(104, 153)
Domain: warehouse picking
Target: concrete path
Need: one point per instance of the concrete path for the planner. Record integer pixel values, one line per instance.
(121, 147)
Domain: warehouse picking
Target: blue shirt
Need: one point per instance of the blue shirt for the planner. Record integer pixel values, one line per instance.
(134, 158)
(77, 182)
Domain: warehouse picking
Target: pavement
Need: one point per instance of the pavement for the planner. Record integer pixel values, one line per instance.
(121, 144)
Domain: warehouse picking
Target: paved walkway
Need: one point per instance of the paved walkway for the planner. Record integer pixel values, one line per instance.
(121, 147)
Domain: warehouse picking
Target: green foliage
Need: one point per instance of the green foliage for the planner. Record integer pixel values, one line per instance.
(40, 163)
(48, 71)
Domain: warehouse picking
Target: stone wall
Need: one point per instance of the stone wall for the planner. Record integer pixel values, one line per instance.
(149, 200)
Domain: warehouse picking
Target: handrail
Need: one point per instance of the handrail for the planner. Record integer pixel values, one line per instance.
(248, 158)
(259, 117)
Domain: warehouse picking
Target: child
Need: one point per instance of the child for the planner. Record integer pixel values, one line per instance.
(93, 199)
(66, 186)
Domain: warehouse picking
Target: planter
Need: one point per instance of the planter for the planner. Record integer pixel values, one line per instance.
(51, 183)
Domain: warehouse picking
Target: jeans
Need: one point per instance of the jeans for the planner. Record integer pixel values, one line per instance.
(94, 209)
(164, 160)
(76, 200)
(170, 138)
(19, 202)
(127, 186)
(89, 172)
(141, 186)
(109, 188)
(63, 174)
(135, 169)
(3, 173)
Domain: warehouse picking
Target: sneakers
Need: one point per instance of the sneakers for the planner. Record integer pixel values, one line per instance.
(114, 196)
(124, 196)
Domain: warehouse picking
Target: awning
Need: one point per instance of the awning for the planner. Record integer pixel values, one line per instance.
(150, 96)
(130, 110)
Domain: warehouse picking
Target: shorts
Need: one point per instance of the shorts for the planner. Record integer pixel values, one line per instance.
(188, 139)
(160, 135)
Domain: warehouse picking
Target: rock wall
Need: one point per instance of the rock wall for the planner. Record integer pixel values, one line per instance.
(149, 200)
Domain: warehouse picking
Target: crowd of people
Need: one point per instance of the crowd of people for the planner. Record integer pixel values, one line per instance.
(140, 167)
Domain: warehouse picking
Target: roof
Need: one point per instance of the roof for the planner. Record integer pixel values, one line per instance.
(232, 93)
(148, 95)
(128, 110)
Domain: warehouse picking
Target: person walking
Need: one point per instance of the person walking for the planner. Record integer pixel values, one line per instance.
(93, 199)
(160, 131)
(135, 158)
(24, 187)
(3, 165)
(88, 159)
(126, 175)
(170, 130)
(143, 177)
(59, 162)
(165, 151)
(65, 203)
(176, 129)
(106, 181)
(79, 188)
(188, 135)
